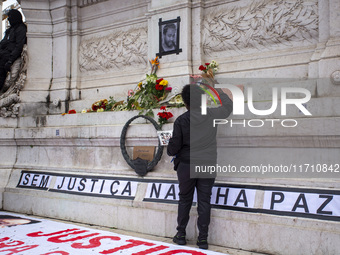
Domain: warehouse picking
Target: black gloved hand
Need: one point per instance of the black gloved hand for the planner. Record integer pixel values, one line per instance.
(8, 66)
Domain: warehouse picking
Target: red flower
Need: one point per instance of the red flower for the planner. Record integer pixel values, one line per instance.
(165, 115)
(168, 115)
(207, 64)
(161, 114)
(158, 87)
(168, 89)
(72, 111)
(202, 68)
(159, 80)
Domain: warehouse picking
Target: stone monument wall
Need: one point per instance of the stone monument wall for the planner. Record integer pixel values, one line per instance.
(71, 167)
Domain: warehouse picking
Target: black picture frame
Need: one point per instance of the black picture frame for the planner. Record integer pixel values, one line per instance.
(169, 37)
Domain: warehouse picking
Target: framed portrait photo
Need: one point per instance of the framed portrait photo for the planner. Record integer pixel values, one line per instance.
(169, 37)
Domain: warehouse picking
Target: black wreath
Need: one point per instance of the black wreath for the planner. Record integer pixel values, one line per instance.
(140, 166)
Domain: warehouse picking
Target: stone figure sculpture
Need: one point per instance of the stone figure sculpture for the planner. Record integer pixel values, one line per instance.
(15, 80)
(12, 66)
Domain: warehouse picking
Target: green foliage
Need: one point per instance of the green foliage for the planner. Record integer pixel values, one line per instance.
(110, 104)
(146, 96)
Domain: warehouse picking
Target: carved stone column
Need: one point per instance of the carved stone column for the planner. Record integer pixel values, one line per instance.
(63, 19)
(330, 36)
(196, 36)
(53, 39)
(34, 97)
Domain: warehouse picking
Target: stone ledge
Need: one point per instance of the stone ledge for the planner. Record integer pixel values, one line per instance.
(305, 127)
(318, 107)
(312, 141)
(89, 119)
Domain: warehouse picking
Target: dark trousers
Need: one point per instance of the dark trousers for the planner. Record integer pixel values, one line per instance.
(186, 193)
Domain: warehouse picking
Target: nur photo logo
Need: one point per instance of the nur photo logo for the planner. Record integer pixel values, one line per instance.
(239, 99)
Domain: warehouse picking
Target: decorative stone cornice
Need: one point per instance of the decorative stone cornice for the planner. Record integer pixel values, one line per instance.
(82, 3)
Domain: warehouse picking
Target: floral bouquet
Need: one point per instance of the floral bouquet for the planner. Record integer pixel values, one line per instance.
(100, 105)
(177, 101)
(150, 92)
(208, 75)
(164, 116)
(209, 69)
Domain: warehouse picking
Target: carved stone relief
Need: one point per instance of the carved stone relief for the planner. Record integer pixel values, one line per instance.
(115, 51)
(262, 24)
(82, 3)
(9, 100)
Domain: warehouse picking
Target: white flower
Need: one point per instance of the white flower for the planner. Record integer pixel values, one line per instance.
(84, 111)
(178, 99)
(213, 64)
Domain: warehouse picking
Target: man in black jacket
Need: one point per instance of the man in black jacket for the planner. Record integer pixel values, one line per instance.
(12, 44)
(194, 143)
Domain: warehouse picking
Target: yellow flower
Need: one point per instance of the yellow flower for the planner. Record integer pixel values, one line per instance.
(163, 83)
(100, 110)
(140, 85)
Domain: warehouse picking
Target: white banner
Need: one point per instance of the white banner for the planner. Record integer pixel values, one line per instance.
(35, 180)
(234, 197)
(222, 196)
(96, 186)
(286, 201)
(29, 236)
(301, 202)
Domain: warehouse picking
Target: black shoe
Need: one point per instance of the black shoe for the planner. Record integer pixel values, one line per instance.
(202, 244)
(180, 240)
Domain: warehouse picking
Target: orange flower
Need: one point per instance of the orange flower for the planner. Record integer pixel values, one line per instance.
(154, 61)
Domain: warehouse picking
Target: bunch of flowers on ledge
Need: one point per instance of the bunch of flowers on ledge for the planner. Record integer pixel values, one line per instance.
(100, 105)
(149, 92)
(164, 116)
(103, 105)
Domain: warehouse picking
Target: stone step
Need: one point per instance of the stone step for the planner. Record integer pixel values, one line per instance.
(305, 127)
(88, 119)
(318, 107)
